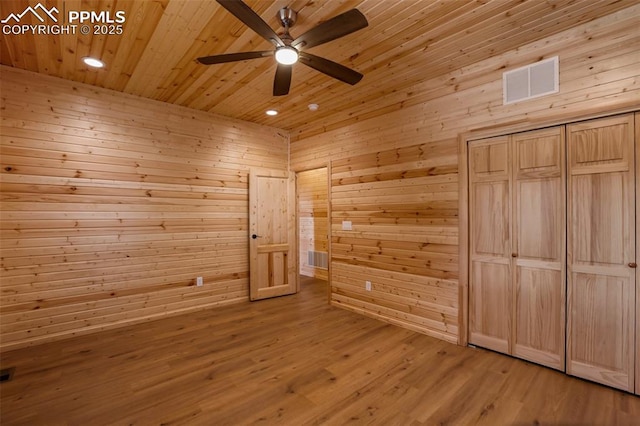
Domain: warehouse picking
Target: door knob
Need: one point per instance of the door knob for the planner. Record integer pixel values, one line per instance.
(254, 236)
(514, 254)
(633, 265)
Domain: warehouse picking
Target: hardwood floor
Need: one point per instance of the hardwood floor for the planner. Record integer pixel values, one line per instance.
(292, 360)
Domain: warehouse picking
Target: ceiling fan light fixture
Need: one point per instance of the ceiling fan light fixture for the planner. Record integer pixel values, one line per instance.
(286, 55)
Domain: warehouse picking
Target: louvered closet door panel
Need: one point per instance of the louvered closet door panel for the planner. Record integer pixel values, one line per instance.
(539, 246)
(601, 291)
(490, 274)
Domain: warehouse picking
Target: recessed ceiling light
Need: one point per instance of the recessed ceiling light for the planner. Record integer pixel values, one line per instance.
(272, 112)
(93, 62)
(313, 107)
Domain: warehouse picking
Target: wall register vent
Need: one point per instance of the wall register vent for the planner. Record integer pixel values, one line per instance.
(530, 82)
(319, 259)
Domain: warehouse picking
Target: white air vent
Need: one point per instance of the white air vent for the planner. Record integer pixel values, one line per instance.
(319, 259)
(530, 82)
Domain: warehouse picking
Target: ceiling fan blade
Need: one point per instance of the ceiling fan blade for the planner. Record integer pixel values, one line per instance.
(233, 57)
(282, 82)
(330, 68)
(252, 20)
(334, 28)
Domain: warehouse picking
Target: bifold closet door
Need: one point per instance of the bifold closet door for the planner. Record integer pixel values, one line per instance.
(490, 239)
(539, 246)
(601, 251)
(517, 236)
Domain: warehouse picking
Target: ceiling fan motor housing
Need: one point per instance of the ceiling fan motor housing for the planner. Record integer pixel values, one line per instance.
(287, 17)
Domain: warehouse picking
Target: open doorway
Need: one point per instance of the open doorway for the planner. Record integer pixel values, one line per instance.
(313, 223)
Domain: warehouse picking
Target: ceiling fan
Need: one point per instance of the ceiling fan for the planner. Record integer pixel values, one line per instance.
(289, 50)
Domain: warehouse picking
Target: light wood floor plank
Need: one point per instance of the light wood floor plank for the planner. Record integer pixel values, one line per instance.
(292, 360)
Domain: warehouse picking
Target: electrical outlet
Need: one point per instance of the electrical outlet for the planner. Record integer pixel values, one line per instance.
(367, 285)
(199, 281)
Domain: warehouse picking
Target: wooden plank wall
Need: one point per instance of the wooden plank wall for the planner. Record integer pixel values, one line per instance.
(313, 226)
(112, 205)
(395, 175)
(403, 208)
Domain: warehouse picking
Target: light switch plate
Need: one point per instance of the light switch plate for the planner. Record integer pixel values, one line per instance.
(346, 225)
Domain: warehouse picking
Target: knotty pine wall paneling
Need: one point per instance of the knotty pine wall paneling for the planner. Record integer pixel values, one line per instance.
(112, 205)
(312, 199)
(413, 257)
(402, 205)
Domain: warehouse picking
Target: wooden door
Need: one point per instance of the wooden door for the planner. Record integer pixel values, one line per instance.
(272, 236)
(601, 287)
(539, 247)
(490, 241)
(637, 261)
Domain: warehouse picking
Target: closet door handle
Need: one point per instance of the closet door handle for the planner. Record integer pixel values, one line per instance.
(514, 254)
(633, 265)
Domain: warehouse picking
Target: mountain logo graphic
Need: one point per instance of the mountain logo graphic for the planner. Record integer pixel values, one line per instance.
(34, 11)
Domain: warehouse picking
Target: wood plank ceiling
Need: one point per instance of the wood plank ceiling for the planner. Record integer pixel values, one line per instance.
(407, 42)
